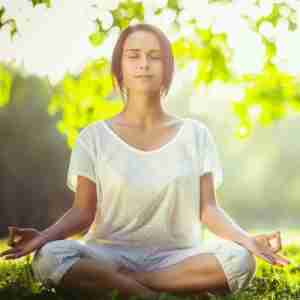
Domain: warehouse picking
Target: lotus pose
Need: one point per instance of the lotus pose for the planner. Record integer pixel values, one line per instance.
(145, 182)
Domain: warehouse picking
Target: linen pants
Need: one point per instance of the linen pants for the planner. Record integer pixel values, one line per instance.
(53, 260)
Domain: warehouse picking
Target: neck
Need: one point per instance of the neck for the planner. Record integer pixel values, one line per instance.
(143, 110)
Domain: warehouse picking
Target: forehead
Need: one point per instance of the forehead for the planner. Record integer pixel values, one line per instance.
(142, 40)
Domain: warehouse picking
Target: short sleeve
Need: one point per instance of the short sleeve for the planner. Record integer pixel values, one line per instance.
(209, 157)
(81, 162)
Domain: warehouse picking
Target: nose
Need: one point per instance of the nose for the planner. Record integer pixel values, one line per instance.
(144, 61)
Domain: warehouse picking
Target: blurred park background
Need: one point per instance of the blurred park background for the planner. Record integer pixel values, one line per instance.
(237, 70)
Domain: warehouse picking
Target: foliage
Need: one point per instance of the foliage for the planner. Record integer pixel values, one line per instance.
(83, 99)
(8, 22)
(268, 96)
(5, 85)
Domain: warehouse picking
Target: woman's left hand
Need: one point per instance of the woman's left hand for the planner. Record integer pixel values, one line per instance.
(266, 246)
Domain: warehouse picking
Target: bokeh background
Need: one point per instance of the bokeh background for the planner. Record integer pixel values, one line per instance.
(237, 70)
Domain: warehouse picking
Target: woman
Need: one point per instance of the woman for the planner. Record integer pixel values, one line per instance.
(138, 179)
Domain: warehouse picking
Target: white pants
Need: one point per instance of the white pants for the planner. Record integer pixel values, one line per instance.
(55, 258)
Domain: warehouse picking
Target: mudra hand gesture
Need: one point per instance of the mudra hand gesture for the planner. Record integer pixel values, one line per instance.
(266, 246)
(22, 241)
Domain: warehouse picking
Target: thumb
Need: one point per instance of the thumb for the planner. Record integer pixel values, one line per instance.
(16, 229)
(11, 231)
(275, 234)
(12, 228)
(276, 241)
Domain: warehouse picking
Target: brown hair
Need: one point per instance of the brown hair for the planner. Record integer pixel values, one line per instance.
(167, 56)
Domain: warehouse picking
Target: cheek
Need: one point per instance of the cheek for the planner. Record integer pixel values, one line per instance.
(127, 68)
(159, 68)
(160, 72)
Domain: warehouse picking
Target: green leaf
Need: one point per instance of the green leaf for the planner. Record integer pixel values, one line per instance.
(97, 38)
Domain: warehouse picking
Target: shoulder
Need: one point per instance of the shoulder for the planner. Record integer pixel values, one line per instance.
(204, 134)
(89, 132)
(87, 137)
(200, 127)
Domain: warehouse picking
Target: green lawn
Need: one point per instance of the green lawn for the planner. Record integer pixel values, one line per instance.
(270, 283)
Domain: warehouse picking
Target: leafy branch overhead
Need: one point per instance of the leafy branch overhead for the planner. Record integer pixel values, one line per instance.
(268, 96)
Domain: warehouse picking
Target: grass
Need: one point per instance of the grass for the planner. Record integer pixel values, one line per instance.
(269, 283)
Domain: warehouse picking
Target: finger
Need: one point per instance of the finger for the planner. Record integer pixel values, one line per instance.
(268, 248)
(263, 241)
(17, 239)
(267, 258)
(10, 235)
(282, 260)
(274, 234)
(13, 256)
(278, 246)
(19, 243)
(273, 245)
(16, 228)
(9, 251)
(269, 253)
(265, 247)
(277, 260)
(11, 243)
(14, 237)
(12, 252)
(11, 227)
(275, 242)
(15, 231)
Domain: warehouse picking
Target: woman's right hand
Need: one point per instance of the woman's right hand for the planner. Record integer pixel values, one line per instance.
(23, 241)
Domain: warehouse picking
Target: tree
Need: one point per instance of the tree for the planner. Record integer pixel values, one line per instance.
(268, 96)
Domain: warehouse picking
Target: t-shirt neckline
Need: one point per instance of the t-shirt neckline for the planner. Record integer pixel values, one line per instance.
(148, 152)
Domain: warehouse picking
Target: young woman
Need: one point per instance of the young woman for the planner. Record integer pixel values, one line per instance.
(144, 184)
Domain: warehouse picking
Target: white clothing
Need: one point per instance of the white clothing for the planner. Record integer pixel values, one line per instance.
(146, 197)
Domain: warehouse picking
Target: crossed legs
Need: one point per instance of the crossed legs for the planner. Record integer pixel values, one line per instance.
(193, 276)
(89, 277)
(197, 274)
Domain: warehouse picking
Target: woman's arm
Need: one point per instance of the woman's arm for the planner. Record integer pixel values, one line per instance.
(222, 225)
(212, 215)
(71, 223)
(79, 216)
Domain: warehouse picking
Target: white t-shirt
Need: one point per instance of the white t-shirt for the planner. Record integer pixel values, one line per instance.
(146, 197)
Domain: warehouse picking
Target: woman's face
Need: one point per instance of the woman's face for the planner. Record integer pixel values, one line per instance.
(142, 65)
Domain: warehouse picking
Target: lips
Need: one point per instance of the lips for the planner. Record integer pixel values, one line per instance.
(145, 78)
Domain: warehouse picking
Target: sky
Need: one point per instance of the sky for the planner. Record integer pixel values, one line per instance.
(52, 41)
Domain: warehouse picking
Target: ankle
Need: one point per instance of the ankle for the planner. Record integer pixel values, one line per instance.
(143, 290)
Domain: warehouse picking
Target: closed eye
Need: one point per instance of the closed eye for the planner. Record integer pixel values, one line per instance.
(137, 57)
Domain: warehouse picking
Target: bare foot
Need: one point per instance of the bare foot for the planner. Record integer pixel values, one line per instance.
(140, 278)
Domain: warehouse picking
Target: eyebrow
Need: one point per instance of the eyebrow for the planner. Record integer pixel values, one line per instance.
(139, 50)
